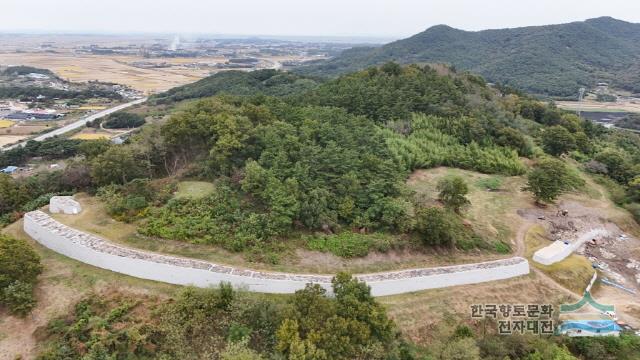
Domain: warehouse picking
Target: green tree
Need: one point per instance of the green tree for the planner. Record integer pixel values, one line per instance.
(438, 226)
(453, 191)
(557, 140)
(514, 139)
(549, 179)
(92, 148)
(117, 165)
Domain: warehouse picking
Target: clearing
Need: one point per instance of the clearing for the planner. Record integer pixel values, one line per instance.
(494, 199)
(194, 189)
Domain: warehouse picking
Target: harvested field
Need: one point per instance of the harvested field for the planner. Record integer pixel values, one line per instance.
(23, 129)
(116, 69)
(4, 123)
(91, 136)
(594, 106)
(10, 139)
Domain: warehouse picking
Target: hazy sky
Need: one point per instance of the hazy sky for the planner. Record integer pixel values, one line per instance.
(389, 18)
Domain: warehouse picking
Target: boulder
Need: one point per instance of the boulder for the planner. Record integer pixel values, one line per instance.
(64, 204)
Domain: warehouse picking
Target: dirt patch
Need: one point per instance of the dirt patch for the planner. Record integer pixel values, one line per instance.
(616, 253)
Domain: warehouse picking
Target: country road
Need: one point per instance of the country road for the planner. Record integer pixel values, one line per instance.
(80, 123)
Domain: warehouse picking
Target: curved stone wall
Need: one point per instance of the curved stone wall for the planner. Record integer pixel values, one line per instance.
(98, 252)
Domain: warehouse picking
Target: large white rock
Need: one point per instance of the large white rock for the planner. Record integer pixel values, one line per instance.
(65, 205)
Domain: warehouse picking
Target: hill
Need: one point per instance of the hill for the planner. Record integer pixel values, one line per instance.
(552, 60)
(239, 83)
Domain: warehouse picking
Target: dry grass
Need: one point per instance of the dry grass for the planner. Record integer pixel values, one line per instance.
(23, 129)
(91, 136)
(92, 107)
(194, 189)
(573, 273)
(594, 106)
(422, 315)
(10, 139)
(492, 213)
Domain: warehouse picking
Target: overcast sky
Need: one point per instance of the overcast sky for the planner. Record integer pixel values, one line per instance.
(388, 18)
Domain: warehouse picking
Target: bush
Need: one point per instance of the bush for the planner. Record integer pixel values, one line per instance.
(442, 227)
(349, 244)
(502, 248)
(492, 183)
(18, 296)
(19, 269)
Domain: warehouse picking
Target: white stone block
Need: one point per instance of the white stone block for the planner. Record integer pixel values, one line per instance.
(64, 204)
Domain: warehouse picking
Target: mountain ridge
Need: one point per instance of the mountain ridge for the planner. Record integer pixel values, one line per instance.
(553, 60)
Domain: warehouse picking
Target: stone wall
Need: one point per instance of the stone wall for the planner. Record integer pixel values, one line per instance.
(98, 252)
(559, 251)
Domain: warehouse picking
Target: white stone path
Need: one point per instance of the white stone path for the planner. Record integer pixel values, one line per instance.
(98, 252)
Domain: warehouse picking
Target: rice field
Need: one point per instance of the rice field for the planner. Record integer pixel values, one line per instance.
(92, 107)
(87, 136)
(5, 123)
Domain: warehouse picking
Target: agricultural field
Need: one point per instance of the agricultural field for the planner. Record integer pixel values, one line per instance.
(10, 139)
(107, 69)
(91, 135)
(6, 123)
(595, 106)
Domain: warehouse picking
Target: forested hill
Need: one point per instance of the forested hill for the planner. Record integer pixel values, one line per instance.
(552, 60)
(239, 83)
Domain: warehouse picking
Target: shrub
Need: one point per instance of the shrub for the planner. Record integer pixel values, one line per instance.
(349, 244)
(19, 269)
(18, 296)
(502, 248)
(492, 183)
(438, 226)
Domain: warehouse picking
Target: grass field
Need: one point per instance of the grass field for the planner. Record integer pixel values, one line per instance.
(492, 212)
(194, 189)
(89, 136)
(5, 123)
(574, 272)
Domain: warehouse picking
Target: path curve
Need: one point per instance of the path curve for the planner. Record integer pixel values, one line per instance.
(98, 252)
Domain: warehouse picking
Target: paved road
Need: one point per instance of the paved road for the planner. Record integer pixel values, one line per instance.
(80, 123)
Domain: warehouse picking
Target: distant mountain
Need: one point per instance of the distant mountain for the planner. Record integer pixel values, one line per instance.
(553, 60)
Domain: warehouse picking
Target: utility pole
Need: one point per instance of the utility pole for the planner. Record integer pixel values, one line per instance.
(580, 98)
